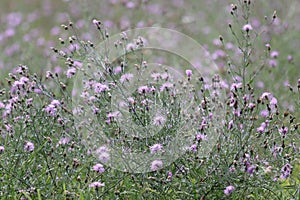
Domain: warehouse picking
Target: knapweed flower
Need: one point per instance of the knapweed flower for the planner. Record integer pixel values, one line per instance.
(97, 184)
(189, 73)
(52, 107)
(126, 78)
(166, 86)
(247, 27)
(200, 137)
(117, 69)
(235, 86)
(98, 168)
(265, 95)
(262, 127)
(251, 105)
(228, 190)
(274, 54)
(63, 141)
(169, 175)
(71, 72)
(55, 102)
(103, 154)
(99, 87)
(155, 76)
(193, 148)
(290, 58)
(77, 64)
(264, 113)
(273, 63)
(143, 89)
(155, 148)
(159, 120)
(29, 146)
(96, 22)
(156, 164)
(250, 169)
(286, 170)
(2, 149)
(283, 131)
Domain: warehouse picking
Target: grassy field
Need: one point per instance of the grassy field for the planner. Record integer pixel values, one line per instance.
(148, 99)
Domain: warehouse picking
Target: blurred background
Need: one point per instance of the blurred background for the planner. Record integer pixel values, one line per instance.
(29, 28)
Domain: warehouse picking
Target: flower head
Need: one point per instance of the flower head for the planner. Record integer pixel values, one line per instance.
(29, 146)
(2, 149)
(283, 131)
(155, 148)
(97, 184)
(247, 27)
(98, 168)
(71, 72)
(156, 164)
(228, 190)
(189, 73)
(126, 78)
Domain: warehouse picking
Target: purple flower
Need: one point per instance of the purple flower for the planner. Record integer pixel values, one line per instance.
(50, 109)
(55, 102)
(286, 170)
(143, 89)
(273, 63)
(155, 76)
(251, 105)
(193, 148)
(250, 169)
(159, 120)
(265, 95)
(273, 101)
(200, 137)
(130, 47)
(98, 168)
(247, 27)
(230, 124)
(126, 78)
(262, 127)
(274, 54)
(189, 73)
(103, 154)
(235, 86)
(228, 190)
(155, 148)
(29, 146)
(169, 175)
(99, 87)
(264, 113)
(117, 70)
(71, 72)
(96, 22)
(77, 63)
(97, 184)
(156, 164)
(166, 86)
(2, 149)
(63, 141)
(283, 131)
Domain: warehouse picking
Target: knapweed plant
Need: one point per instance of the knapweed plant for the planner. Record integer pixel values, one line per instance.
(135, 117)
